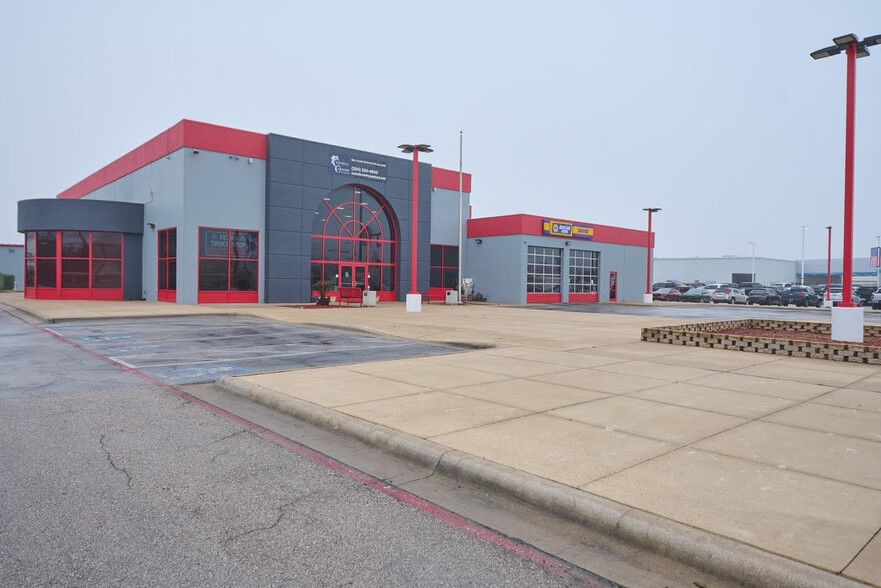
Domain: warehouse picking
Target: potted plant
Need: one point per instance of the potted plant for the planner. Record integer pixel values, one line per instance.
(323, 288)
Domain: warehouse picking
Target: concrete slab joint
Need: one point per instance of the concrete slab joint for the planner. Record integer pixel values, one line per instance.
(703, 550)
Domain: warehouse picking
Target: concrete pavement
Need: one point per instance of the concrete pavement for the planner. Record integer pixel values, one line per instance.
(762, 467)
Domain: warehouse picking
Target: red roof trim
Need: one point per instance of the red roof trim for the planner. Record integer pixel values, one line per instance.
(11, 245)
(449, 179)
(186, 133)
(527, 224)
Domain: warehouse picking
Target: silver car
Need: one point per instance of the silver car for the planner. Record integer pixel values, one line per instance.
(729, 295)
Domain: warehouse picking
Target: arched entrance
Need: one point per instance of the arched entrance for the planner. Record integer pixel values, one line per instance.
(355, 241)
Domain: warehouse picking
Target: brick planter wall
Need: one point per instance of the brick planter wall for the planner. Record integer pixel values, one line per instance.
(707, 335)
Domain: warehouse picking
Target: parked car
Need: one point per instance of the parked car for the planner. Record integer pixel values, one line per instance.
(876, 299)
(729, 295)
(748, 287)
(802, 296)
(836, 294)
(712, 287)
(766, 296)
(697, 295)
(865, 293)
(667, 294)
(668, 284)
(781, 285)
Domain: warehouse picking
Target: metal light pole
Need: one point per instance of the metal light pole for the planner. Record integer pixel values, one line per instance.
(414, 298)
(829, 264)
(878, 271)
(803, 229)
(648, 274)
(848, 328)
(461, 283)
(753, 274)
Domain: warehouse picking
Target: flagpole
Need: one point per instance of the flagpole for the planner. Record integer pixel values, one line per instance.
(461, 279)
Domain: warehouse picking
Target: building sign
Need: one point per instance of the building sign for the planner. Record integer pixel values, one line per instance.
(361, 168)
(215, 243)
(559, 229)
(229, 244)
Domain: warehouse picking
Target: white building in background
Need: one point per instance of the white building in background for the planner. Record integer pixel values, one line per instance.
(767, 270)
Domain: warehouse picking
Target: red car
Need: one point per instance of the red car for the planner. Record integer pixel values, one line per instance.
(668, 294)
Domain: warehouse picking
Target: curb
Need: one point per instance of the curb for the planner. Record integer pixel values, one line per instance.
(703, 550)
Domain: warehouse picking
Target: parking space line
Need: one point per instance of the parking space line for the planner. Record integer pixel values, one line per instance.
(259, 349)
(210, 348)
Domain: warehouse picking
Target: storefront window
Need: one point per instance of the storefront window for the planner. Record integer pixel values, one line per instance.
(228, 265)
(78, 265)
(75, 244)
(106, 273)
(167, 260)
(46, 243)
(444, 269)
(353, 232)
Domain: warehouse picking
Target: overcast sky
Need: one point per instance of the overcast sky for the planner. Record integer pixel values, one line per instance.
(587, 110)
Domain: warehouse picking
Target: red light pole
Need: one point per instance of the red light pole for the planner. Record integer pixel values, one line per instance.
(829, 265)
(414, 298)
(854, 48)
(648, 272)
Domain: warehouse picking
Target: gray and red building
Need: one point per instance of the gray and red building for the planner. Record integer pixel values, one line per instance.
(208, 214)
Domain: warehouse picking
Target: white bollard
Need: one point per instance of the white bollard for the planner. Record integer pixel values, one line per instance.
(414, 302)
(847, 324)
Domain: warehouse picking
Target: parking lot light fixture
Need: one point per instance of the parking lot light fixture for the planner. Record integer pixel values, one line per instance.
(803, 229)
(878, 269)
(829, 264)
(845, 40)
(414, 298)
(854, 48)
(753, 274)
(826, 52)
(844, 326)
(648, 277)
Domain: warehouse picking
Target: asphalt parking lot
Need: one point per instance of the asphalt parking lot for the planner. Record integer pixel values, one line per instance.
(201, 349)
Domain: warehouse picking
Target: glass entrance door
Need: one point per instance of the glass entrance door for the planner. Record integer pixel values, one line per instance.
(352, 276)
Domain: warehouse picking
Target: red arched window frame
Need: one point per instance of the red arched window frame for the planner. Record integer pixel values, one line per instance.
(355, 237)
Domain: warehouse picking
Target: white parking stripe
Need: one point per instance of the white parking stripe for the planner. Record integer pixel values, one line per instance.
(225, 359)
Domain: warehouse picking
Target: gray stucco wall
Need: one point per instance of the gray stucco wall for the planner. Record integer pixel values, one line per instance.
(12, 262)
(298, 176)
(159, 188)
(445, 216)
(498, 266)
(220, 191)
(188, 190)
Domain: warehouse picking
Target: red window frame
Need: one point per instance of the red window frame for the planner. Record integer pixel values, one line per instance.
(55, 264)
(346, 222)
(167, 265)
(228, 295)
(446, 252)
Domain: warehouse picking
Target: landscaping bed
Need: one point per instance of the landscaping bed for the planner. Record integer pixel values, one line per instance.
(814, 337)
(792, 338)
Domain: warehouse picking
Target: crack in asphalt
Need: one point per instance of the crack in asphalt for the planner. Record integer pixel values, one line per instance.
(281, 512)
(128, 476)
